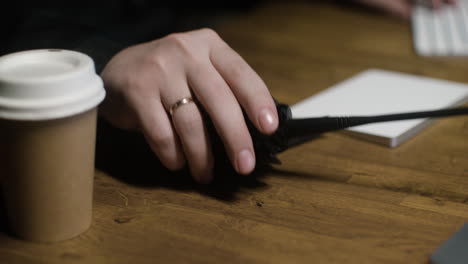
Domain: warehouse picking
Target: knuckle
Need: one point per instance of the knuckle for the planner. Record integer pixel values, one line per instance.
(182, 42)
(209, 33)
(176, 38)
(186, 48)
(211, 36)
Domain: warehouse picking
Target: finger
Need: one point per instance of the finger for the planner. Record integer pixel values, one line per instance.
(159, 133)
(222, 107)
(188, 123)
(247, 86)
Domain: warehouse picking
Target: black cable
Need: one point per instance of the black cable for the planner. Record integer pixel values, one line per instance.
(306, 126)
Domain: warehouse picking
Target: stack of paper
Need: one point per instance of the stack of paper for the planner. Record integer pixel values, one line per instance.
(375, 92)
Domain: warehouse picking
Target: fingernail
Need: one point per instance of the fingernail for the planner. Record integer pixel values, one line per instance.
(267, 121)
(245, 161)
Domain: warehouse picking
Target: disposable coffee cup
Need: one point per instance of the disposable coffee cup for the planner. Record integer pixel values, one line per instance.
(48, 115)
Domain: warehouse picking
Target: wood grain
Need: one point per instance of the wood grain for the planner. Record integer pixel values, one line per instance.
(336, 199)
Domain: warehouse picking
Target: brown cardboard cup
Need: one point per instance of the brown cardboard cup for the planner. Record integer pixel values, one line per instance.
(48, 106)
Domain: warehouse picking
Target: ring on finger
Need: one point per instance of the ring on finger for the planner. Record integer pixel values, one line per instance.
(179, 103)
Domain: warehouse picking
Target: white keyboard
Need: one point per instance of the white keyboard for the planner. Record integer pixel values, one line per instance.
(442, 32)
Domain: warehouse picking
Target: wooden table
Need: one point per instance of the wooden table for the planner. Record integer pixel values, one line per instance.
(336, 199)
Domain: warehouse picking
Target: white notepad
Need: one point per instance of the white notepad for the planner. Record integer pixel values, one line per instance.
(376, 92)
(441, 32)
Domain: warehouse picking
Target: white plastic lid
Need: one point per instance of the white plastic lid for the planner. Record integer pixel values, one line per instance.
(48, 84)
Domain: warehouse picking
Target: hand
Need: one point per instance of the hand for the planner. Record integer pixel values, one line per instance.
(401, 8)
(144, 81)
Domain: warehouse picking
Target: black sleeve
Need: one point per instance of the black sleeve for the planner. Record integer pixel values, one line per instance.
(98, 30)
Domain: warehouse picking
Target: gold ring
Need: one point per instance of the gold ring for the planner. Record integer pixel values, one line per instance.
(181, 102)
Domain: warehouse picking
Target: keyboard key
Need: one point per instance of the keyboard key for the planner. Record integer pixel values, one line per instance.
(442, 32)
